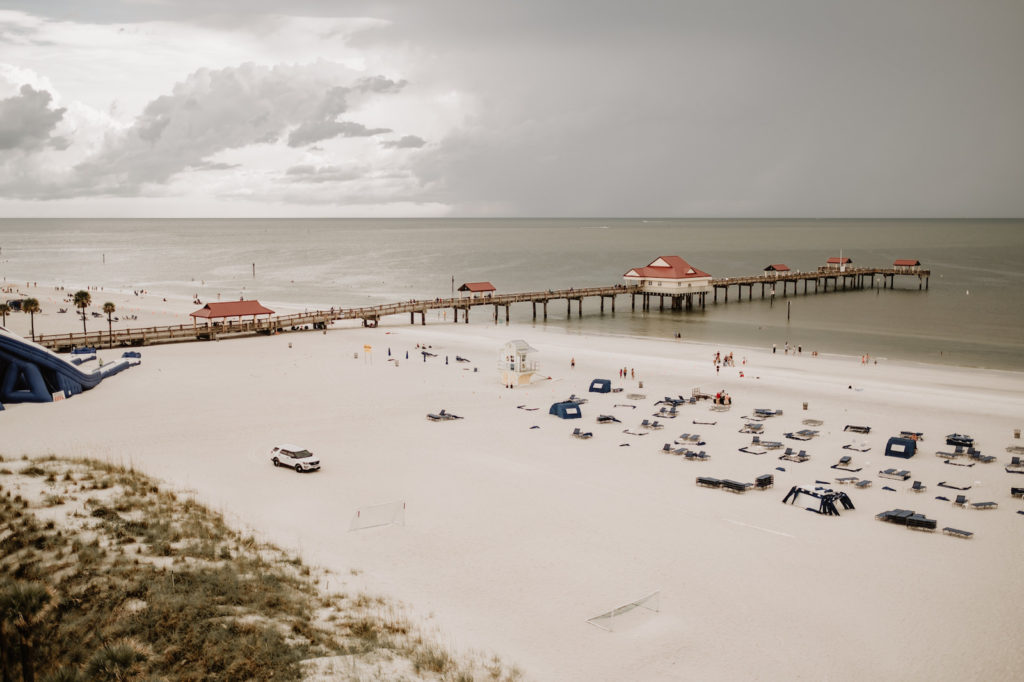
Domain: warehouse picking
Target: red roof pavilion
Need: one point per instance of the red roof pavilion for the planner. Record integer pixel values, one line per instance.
(777, 267)
(477, 287)
(907, 263)
(836, 260)
(667, 267)
(237, 309)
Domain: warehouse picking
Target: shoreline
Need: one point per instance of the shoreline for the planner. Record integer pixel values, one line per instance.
(154, 309)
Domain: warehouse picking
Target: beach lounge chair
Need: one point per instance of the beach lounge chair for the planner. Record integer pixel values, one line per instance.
(752, 450)
(885, 487)
(985, 505)
(945, 484)
(667, 448)
(845, 459)
(857, 429)
(696, 456)
(655, 425)
(857, 447)
(918, 487)
(913, 435)
(770, 444)
(960, 501)
(957, 533)
(1016, 492)
(866, 483)
(708, 482)
(442, 416)
(645, 424)
(843, 480)
(576, 433)
(459, 358)
(764, 481)
(752, 428)
(607, 419)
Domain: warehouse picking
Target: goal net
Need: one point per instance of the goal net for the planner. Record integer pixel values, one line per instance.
(387, 514)
(608, 619)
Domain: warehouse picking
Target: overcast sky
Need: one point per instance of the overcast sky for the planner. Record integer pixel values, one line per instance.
(724, 108)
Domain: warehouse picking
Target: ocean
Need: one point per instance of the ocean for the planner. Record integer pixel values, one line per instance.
(971, 315)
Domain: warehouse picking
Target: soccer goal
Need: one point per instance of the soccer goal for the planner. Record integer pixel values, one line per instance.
(387, 514)
(606, 620)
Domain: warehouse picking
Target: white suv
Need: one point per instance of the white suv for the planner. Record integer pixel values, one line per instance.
(294, 457)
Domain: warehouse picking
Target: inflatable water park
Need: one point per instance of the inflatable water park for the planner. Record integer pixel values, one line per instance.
(30, 373)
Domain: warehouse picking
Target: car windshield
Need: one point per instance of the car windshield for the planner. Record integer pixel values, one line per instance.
(301, 453)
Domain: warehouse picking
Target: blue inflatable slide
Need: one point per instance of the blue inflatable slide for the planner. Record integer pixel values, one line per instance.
(30, 373)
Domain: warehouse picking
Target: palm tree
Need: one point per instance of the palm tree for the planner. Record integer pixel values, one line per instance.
(109, 309)
(25, 605)
(83, 299)
(31, 306)
(121, 660)
(4, 309)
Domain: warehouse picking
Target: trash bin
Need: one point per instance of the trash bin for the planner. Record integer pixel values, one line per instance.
(1016, 433)
(640, 384)
(805, 406)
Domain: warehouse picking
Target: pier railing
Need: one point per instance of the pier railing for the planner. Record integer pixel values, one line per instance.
(370, 315)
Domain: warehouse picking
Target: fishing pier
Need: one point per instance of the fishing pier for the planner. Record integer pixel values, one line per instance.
(666, 280)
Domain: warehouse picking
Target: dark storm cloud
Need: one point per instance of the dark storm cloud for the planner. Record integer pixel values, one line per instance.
(27, 121)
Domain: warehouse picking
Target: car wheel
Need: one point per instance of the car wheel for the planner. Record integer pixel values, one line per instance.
(298, 468)
(277, 462)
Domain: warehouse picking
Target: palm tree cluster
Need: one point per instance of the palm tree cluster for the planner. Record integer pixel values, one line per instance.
(31, 306)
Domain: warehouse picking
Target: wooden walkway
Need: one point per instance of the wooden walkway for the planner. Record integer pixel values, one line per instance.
(851, 278)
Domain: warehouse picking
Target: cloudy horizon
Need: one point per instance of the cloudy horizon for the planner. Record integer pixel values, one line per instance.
(744, 109)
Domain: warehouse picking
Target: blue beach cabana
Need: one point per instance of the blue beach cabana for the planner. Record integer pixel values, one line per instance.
(901, 447)
(566, 410)
(601, 386)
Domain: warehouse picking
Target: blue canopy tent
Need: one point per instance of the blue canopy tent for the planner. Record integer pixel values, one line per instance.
(566, 410)
(900, 447)
(601, 386)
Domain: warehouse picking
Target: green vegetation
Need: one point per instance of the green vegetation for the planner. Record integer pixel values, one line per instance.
(106, 576)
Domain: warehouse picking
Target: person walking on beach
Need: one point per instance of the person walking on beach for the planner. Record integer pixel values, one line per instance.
(572, 362)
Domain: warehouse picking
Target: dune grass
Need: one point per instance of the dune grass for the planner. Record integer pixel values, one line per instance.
(139, 582)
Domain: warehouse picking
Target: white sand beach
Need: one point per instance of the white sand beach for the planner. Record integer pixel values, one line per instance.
(515, 536)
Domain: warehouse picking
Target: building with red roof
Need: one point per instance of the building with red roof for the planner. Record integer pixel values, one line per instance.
(669, 275)
(777, 268)
(906, 263)
(219, 311)
(477, 289)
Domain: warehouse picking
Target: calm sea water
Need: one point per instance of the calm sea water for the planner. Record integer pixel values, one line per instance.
(973, 313)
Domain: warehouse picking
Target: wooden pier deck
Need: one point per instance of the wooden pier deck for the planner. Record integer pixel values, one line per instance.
(848, 279)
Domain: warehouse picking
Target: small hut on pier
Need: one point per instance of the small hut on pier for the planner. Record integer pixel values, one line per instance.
(477, 289)
(669, 275)
(908, 265)
(217, 313)
(837, 263)
(515, 368)
(777, 269)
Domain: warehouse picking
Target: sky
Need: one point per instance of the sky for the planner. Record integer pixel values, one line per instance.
(525, 108)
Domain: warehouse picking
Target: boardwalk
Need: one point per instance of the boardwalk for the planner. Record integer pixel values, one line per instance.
(848, 279)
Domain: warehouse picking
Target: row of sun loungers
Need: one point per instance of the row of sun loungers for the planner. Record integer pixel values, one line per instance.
(908, 518)
(770, 444)
(901, 475)
(667, 412)
(646, 424)
(857, 483)
(802, 434)
(752, 428)
(944, 484)
(724, 484)
(791, 456)
(959, 439)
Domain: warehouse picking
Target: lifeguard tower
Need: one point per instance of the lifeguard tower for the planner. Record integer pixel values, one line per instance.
(514, 365)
